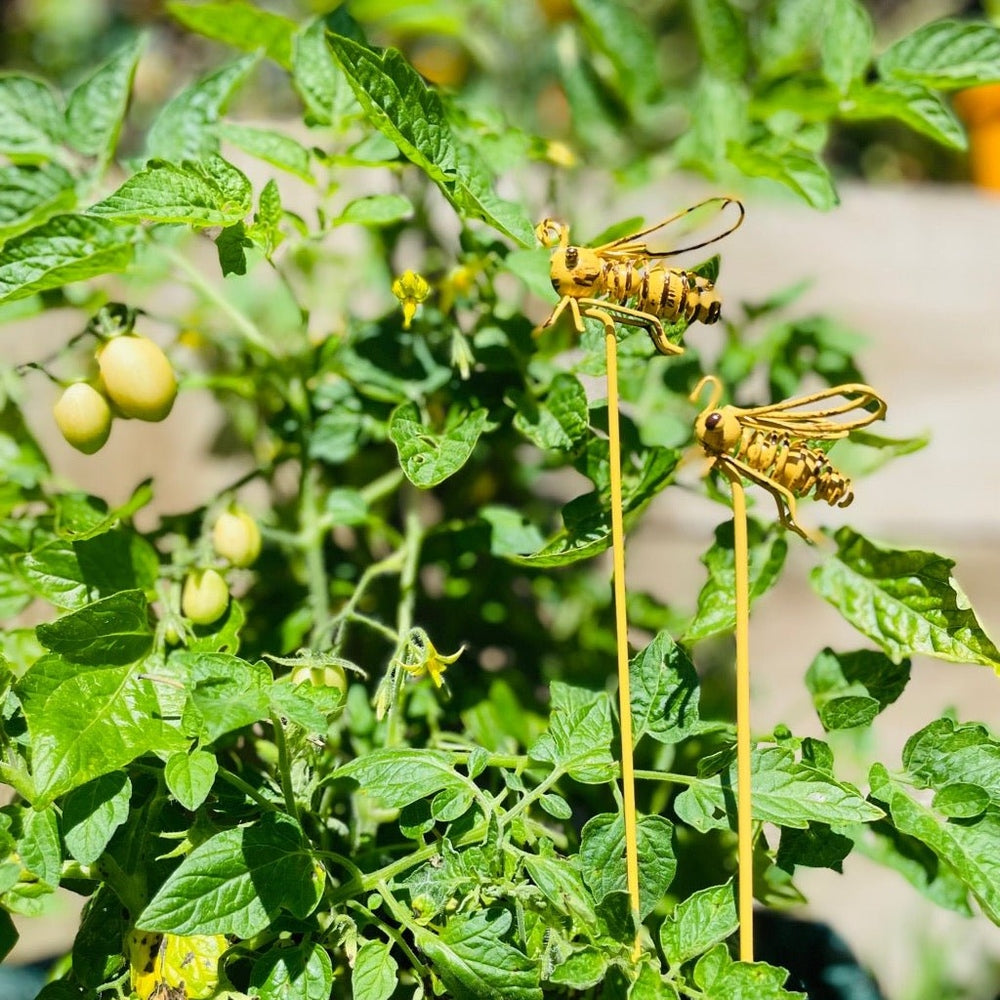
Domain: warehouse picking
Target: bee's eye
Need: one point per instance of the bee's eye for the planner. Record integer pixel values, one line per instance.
(713, 420)
(572, 256)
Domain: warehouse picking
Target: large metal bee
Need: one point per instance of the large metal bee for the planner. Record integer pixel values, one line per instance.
(769, 445)
(626, 279)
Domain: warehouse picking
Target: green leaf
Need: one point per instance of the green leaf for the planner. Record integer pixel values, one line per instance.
(917, 863)
(700, 922)
(602, 857)
(580, 970)
(397, 776)
(906, 601)
(375, 972)
(208, 193)
(114, 630)
(237, 882)
(511, 533)
(317, 78)
(785, 792)
(80, 516)
(273, 147)
(846, 42)
(305, 705)
(804, 173)
(587, 518)
(227, 693)
(945, 55)
(815, 847)
(850, 689)
(232, 244)
(718, 114)
(97, 948)
(96, 107)
(970, 849)
(716, 613)
(185, 127)
(71, 574)
(31, 122)
(944, 753)
(664, 689)
(722, 37)
(399, 104)
(65, 249)
(240, 24)
(29, 195)
(92, 813)
(85, 722)
(789, 37)
(473, 959)
(719, 976)
(38, 844)
(427, 458)
(376, 210)
(910, 103)
(613, 29)
(304, 972)
(578, 741)
(561, 882)
(560, 421)
(190, 776)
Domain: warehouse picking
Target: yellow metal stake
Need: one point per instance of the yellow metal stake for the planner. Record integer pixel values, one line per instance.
(744, 814)
(621, 624)
(769, 445)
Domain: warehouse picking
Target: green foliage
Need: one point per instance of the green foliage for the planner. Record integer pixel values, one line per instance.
(310, 775)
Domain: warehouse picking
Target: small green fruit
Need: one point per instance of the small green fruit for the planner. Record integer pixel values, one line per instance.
(83, 417)
(236, 538)
(205, 596)
(137, 377)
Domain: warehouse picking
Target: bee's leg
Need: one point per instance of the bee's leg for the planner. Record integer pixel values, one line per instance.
(643, 320)
(783, 497)
(555, 314)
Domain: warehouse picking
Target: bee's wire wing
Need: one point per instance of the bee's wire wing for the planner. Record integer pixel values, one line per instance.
(789, 416)
(628, 246)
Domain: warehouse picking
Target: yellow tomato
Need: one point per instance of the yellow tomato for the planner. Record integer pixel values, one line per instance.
(137, 377)
(236, 537)
(205, 596)
(83, 417)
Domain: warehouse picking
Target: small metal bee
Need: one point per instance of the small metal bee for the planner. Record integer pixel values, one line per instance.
(624, 278)
(769, 444)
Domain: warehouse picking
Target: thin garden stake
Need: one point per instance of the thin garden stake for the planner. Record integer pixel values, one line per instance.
(621, 624)
(744, 814)
(769, 446)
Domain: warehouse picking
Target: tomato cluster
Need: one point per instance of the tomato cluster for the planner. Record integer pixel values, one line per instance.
(136, 380)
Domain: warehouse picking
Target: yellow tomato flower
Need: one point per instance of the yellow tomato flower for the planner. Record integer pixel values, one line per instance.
(411, 289)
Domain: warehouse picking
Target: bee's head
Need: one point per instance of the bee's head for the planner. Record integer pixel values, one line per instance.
(718, 430)
(575, 270)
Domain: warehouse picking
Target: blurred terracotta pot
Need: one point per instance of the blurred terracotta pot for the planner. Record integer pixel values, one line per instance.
(979, 107)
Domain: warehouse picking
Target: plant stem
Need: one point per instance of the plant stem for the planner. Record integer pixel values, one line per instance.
(241, 321)
(312, 535)
(284, 766)
(248, 790)
(412, 541)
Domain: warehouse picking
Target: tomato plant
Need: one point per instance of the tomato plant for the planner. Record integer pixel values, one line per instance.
(355, 738)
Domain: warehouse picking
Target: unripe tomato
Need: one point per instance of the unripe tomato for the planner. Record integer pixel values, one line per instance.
(83, 417)
(137, 377)
(205, 596)
(236, 537)
(331, 676)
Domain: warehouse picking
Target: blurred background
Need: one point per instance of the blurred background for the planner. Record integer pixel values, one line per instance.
(910, 260)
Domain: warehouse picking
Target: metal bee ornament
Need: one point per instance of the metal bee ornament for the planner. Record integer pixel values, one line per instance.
(769, 445)
(625, 278)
